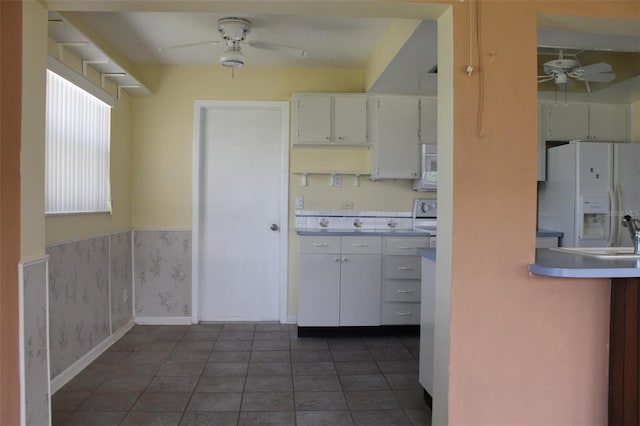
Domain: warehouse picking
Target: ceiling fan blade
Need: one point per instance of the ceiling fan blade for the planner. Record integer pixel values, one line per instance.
(543, 78)
(286, 50)
(593, 68)
(180, 46)
(604, 77)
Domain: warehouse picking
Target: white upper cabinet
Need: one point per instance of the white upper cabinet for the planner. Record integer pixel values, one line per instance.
(596, 122)
(350, 119)
(394, 126)
(322, 119)
(565, 122)
(609, 122)
(428, 120)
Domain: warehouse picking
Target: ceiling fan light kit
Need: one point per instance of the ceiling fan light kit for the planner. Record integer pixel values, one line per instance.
(232, 57)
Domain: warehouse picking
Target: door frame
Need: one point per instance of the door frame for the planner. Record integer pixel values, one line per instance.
(200, 111)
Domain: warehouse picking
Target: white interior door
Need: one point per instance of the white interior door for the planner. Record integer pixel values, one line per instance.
(240, 213)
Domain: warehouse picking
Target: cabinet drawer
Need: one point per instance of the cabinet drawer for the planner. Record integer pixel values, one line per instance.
(361, 245)
(320, 245)
(404, 246)
(402, 267)
(400, 313)
(402, 290)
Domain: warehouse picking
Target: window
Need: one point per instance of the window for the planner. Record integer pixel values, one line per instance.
(78, 128)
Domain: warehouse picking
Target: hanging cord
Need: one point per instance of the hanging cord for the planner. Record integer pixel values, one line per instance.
(469, 69)
(479, 128)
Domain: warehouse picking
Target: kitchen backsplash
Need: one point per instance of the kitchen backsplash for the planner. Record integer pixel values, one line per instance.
(340, 219)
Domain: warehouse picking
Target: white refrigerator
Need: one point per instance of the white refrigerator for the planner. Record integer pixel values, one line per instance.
(590, 187)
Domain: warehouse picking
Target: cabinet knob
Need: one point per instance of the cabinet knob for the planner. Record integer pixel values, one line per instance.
(337, 259)
(344, 259)
(328, 138)
(340, 138)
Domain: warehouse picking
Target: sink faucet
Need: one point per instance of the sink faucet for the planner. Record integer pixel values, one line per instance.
(634, 231)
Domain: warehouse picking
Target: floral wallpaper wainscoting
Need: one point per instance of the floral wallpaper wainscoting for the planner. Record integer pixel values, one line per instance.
(121, 279)
(36, 367)
(78, 299)
(162, 274)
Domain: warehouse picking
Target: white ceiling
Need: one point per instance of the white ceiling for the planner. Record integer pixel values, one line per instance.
(328, 41)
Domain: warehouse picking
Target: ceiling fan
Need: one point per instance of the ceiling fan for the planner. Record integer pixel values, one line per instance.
(563, 71)
(234, 31)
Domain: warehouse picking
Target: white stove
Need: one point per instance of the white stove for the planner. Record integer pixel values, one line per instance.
(425, 216)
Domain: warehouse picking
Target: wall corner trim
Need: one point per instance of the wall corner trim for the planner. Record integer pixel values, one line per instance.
(163, 320)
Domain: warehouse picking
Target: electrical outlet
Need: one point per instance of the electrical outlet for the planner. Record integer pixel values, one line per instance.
(347, 205)
(299, 202)
(337, 181)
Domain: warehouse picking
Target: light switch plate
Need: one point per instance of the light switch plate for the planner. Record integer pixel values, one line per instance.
(299, 202)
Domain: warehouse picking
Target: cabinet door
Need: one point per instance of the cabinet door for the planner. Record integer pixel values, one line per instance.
(319, 290)
(428, 120)
(313, 119)
(396, 150)
(360, 290)
(608, 123)
(427, 324)
(567, 122)
(350, 119)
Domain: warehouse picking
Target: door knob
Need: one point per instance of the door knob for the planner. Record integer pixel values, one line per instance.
(275, 227)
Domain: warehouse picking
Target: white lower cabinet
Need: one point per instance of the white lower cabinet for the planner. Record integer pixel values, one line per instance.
(427, 324)
(360, 290)
(339, 281)
(319, 290)
(401, 286)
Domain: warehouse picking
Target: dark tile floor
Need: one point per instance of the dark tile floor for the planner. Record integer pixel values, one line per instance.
(245, 374)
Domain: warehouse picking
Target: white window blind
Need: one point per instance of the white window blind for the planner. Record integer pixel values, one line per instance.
(77, 149)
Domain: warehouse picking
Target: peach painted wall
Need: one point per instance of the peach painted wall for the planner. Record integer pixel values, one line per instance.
(10, 119)
(524, 349)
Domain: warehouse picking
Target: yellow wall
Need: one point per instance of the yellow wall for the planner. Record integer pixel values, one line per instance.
(34, 63)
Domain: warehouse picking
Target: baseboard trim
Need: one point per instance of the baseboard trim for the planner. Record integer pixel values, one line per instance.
(292, 319)
(163, 320)
(74, 369)
(360, 331)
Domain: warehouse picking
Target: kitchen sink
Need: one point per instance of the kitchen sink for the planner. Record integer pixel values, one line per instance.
(601, 252)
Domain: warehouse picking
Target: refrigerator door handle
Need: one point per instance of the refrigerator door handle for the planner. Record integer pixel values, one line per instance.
(613, 218)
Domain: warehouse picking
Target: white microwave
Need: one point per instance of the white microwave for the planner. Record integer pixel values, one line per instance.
(428, 180)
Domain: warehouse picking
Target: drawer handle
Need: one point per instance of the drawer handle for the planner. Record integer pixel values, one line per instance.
(360, 245)
(405, 248)
(320, 244)
(405, 268)
(405, 291)
(404, 314)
